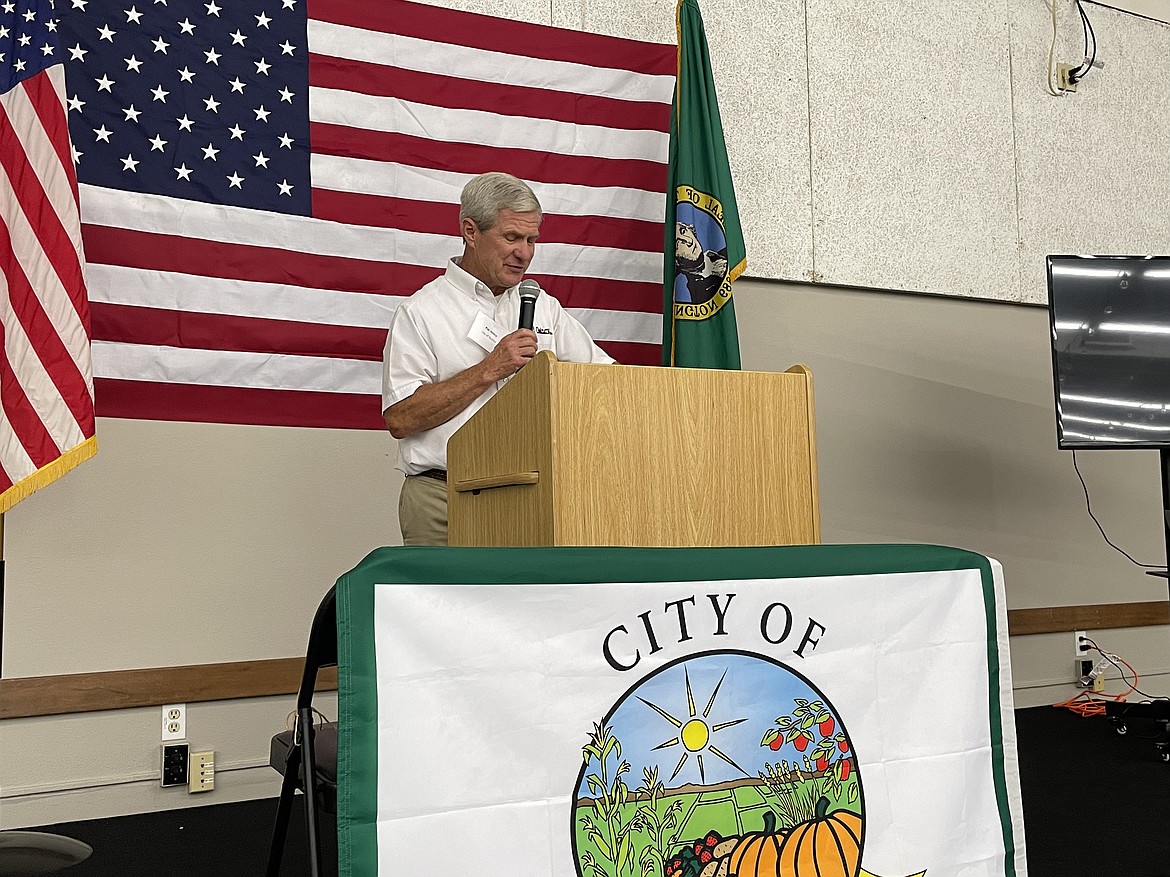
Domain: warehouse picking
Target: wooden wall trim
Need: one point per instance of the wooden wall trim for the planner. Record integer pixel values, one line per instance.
(27, 696)
(1094, 616)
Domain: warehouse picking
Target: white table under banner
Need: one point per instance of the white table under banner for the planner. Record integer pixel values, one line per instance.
(707, 712)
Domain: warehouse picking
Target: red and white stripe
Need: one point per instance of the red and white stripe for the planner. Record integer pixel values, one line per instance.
(46, 384)
(205, 312)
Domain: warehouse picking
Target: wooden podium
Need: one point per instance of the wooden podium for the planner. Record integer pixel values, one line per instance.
(575, 454)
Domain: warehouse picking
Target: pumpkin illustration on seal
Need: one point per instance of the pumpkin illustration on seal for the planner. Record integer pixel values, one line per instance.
(828, 845)
(758, 852)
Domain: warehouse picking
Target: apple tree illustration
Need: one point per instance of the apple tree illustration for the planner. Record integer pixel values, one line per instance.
(822, 765)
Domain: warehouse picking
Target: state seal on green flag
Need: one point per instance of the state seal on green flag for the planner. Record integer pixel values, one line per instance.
(704, 249)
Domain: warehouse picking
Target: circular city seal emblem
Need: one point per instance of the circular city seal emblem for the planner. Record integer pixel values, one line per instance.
(721, 764)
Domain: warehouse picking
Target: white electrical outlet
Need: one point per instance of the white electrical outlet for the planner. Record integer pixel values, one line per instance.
(1080, 643)
(1064, 80)
(174, 721)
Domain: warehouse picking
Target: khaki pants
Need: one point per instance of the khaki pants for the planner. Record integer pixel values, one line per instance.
(422, 511)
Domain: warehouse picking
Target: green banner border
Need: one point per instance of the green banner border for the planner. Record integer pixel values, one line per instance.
(357, 727)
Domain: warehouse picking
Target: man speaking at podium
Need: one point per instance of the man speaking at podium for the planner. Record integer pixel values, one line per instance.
(451, 345)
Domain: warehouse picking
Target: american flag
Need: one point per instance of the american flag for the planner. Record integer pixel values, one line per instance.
(262, 182)
(46, 386)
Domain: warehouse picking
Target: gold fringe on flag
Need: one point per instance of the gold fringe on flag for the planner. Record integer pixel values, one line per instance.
(48, 474)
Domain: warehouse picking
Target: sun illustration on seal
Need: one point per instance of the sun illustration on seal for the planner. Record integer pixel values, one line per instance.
(695, 733)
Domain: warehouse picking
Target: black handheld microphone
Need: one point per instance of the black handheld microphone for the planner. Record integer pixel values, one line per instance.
(529, 291)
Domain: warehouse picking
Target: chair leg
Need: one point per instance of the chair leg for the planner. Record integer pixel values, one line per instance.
(312, 818)
(288, 791)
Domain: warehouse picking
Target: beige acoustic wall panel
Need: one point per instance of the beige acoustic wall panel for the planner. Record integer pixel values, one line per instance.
(573, 454)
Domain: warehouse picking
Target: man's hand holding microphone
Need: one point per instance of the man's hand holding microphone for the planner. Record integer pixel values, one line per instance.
(517, 348)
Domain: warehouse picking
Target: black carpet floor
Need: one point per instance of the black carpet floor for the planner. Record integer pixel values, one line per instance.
(226, 840)
(1095, 803)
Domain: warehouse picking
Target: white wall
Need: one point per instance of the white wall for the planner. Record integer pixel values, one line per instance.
(177, 544)
(1157, 9)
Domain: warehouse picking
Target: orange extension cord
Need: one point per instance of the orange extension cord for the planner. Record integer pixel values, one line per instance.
(1086, 704)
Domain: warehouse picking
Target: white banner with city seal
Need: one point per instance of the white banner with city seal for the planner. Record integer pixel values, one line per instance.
(597, 712)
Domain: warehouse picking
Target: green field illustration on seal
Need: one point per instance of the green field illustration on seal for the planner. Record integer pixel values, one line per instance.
(722, 764)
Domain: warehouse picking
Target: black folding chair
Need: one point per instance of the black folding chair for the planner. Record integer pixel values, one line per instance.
(307, 755)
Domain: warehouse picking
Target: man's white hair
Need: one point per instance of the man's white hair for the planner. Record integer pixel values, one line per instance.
(486, 195)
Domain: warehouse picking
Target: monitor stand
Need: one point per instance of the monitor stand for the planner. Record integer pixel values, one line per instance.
(1155, 710)
(1164, 460)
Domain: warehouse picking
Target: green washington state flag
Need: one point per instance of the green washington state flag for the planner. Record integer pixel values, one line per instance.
(704, 244)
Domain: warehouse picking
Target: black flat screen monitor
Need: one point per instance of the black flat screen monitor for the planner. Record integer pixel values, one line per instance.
(1110, 319)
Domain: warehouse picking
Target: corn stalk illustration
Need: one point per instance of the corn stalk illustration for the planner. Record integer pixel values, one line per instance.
(662, 829)
(608, 831)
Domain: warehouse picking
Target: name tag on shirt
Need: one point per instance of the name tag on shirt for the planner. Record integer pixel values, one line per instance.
(486, 332)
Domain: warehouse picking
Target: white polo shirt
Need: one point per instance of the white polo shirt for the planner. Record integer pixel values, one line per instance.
(440, 331)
